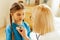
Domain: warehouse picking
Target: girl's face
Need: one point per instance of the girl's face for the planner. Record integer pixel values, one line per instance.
(18, 16)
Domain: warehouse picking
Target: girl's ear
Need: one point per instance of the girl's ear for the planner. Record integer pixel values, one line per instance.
(11, 14)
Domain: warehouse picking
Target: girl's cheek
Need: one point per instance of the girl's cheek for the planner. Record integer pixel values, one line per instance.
(23, 17)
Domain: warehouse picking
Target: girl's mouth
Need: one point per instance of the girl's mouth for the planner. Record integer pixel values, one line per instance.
(20, 19)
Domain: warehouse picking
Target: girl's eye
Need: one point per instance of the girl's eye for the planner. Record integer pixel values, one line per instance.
(20, 14)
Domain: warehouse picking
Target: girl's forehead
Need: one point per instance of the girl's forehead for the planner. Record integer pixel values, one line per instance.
(19, 11)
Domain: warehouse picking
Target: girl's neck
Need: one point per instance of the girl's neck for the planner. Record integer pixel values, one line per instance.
(18, 22)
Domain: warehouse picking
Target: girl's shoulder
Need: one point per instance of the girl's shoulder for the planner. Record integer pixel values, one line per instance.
(26, 24)
(8, 28)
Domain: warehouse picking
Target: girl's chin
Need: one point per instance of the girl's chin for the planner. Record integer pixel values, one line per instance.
(19, 20)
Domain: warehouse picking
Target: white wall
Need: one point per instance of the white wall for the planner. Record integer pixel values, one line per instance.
(4, 10)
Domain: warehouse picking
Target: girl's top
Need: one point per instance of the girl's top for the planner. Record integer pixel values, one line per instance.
(17, 36)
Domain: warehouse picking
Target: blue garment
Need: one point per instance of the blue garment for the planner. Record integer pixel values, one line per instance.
(17, 36)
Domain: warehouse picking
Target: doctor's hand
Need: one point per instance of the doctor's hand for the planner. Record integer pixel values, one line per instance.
(22, 31)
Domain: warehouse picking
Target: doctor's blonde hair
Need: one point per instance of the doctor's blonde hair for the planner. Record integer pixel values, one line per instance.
(42, 19)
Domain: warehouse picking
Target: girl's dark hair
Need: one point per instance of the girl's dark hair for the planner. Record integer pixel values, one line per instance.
(20, 1)
(15, 7)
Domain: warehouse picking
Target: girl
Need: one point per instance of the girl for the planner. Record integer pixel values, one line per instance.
(43, 26)
(17, 13)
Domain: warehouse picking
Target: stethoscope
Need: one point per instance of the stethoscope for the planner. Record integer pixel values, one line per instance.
(37, 36)
(20, 26)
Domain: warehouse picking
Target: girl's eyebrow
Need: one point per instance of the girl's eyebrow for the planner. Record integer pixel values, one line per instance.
(18, 13)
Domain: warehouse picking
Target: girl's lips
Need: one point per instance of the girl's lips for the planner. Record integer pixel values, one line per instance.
(20, 19)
